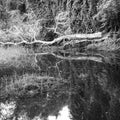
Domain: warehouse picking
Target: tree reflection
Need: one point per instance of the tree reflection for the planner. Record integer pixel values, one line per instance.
(90, 89)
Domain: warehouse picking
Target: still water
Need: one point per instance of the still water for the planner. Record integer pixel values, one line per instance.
(44, 87)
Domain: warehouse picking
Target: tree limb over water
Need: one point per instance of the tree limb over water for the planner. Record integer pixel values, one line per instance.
(89, 46)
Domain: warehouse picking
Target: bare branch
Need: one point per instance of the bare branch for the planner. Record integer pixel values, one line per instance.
(82, 37)
(93, 58)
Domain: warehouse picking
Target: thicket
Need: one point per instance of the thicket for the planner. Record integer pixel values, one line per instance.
(86, 16)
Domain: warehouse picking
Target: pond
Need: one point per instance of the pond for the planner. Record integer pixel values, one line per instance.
(44, 87)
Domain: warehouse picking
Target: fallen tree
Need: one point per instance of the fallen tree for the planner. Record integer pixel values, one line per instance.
(88, 46)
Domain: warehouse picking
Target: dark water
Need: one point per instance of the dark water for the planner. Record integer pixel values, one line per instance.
(42, 85)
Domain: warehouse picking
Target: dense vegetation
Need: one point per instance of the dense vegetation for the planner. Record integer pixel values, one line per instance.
(86, 16)
(60, 52)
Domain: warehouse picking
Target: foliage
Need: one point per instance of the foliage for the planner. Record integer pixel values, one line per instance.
(36, 17)
(82, 16)
(108, 14)
(87, 16)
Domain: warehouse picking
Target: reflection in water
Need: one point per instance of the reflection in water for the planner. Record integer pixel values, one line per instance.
(64, 114)
(77, 90)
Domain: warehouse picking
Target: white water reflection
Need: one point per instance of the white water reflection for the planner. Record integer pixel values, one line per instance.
(7, 110)
(64, 114)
